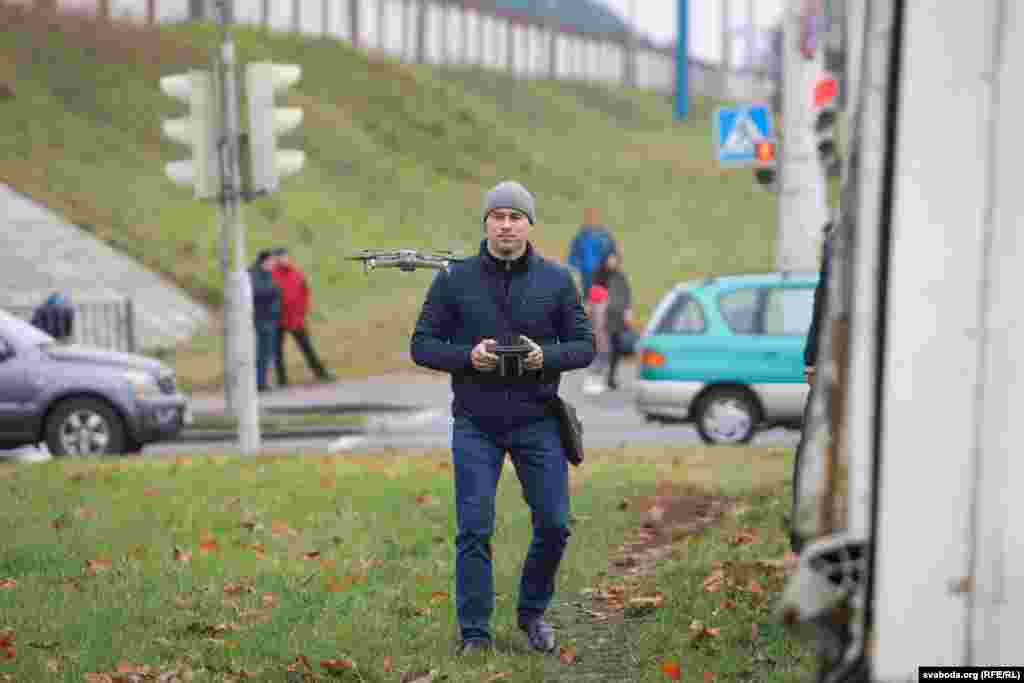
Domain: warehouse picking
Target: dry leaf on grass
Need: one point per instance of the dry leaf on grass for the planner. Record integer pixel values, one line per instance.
(744, 537)
(714, 581)
(672, 671)
(698, 631)
(567, 655)
(420, 676)
(8, 584)
(337, 664)
(182, 555)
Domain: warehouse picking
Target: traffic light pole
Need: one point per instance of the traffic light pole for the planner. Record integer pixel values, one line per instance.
(802, 207)
(240, 343)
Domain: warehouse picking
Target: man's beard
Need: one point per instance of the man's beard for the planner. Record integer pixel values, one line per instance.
(507, 247)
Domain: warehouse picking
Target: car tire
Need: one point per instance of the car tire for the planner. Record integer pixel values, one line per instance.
(727, 415)
(84, 427)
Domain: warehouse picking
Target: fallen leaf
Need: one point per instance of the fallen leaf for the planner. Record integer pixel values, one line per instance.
(567, 655)
(426, 499)
(184, 461)
(300, 661)
(60, 523)
(728, 604)
(709, 676)
(269, 600)
(328, 482)
(6, 638)
(497, 677)
(151, 492)
(101, 564)
(209, 546)
(184, 600)
(755, 632)
(98, 678)
(54, 666)
(337, 664)
(744, 537)
(85, 513)
(671, 671)
(444, 466)
(623, 504)
(698, 631)
(754, 587)
(312, 555)
(239, 588)
(279, 528)
(182, 555)
(129, 668)
(714, 581)
(648, 602)
(8, 584)
(420, 677)
(439, 596)
(10, 652)
(387, 665)
(423, 611)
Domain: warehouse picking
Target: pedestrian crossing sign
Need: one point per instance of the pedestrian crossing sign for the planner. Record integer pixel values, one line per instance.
(738, 130)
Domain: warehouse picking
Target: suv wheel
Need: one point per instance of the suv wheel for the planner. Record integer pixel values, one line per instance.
(84, 427)
(727, 415)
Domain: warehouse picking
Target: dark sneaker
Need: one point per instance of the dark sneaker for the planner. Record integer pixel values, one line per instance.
(540, 634)
(475, 646)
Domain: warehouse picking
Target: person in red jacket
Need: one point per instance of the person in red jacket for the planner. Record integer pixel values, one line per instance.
(295, 294)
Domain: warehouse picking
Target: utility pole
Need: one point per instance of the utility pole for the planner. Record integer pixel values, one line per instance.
(240, 366)
(682, 108)
(802, 207)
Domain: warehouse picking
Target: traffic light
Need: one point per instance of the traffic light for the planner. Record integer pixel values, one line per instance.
(767, 163)
(200, 130)
(825, 130)
(268, 164)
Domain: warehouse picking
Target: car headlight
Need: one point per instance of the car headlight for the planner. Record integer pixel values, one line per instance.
(142, 383)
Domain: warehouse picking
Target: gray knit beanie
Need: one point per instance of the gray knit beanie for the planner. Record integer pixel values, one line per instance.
(510, 195)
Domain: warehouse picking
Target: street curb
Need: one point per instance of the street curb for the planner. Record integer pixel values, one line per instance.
(201, 435)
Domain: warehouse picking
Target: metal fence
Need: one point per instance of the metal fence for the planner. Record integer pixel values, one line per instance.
(105, 323)
(456, 32)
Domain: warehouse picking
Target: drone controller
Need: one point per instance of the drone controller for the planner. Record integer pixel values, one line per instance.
(511, 352)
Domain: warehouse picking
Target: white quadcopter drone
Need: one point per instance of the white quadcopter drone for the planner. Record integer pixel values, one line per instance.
(406, 260)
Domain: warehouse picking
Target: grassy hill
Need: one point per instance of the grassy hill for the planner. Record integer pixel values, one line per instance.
(397, 155)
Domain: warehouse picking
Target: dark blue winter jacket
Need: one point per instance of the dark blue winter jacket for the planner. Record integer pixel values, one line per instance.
(461, 309)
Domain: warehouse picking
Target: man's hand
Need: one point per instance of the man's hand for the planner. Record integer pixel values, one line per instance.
(534, 359)
(482, 359)
(809, 373)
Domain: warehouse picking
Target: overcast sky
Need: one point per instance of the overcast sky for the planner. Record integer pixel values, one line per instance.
(658, 19)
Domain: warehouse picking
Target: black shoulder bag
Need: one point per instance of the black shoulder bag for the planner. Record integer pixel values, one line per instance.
(570, 426)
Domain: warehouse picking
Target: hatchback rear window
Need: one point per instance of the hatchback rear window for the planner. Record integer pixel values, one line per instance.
(685, 316)
(789, 311)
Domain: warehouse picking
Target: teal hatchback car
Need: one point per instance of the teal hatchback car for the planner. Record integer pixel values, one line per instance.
(726, 353)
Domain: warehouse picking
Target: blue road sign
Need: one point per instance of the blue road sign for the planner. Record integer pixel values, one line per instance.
(738, 130)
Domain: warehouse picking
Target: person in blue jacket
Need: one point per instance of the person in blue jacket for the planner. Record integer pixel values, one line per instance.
(506, 291)
(266, 314)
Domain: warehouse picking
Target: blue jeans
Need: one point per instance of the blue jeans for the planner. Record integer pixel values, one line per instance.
(543, 472)
(266, 350)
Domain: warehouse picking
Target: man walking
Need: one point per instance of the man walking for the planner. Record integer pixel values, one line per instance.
(506, 291)
(295, 295)
(266, 314)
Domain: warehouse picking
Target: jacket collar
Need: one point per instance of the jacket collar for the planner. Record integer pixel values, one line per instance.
(520, 265)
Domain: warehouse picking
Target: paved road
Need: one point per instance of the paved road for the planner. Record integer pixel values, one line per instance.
(610, 419)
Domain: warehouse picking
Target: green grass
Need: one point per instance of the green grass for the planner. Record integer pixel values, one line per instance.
(378, 587)
(397, 155)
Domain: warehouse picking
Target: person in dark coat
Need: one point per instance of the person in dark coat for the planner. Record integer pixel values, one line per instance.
(810, 364)
(56, 317)
(620, 313)
(266, 314)
(507, 290)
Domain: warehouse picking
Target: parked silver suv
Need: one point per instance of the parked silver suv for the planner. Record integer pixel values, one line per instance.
(81, 400)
